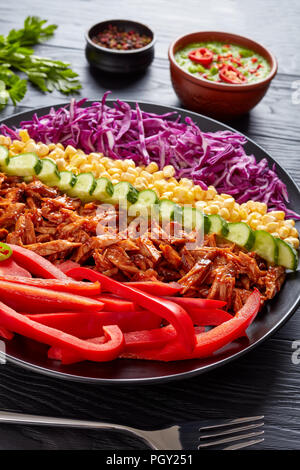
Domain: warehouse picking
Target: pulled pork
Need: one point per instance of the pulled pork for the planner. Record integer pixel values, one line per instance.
(60, 228)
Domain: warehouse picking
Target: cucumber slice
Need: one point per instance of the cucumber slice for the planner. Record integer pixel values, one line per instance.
(192, 219)
(287, 255)
(49, 173)
(25, 164)
(218, 225)
(147, 198)
(241, 234)
(166, 210)
(207, 223)
(265, 246)
(3, 155)
(83, 187)
(124, 192)
(104, 189)
(67, 181)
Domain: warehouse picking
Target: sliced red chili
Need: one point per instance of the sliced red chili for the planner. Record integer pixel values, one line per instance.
(202, 56)
(5, 251)
(230, 74)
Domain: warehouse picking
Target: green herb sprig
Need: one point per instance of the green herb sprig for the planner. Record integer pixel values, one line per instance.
(16, 55)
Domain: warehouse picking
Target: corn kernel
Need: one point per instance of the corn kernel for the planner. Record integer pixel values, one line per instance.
(290, 222)
(114, 171)
(243, 214)
(42, 150)
(77, 160)
(70, 150)
(140, 183)
(235, 216)
(292, 241)
(186, 182)
(181, 193)
(260, 227)
(23, 133)
(170, 186)
(6, 141)
(130, 163)
(148, 176)
(30, 146)
(114, 181)
(152, 167)
(284, 232)
(201, 205)
(294, 232)
(60, 162)
(133, 171)
(167, 195)
(214, 209)
(60, 146)
(266, 219)
(168, 171)
(271, 226)
(229, 203)
(253, 215)
(211, 192)
(275, 234)
(279, 215)
(86, 168)
(56, 153)
(158, 175)
(224, 212)
(254, 223)
(128, 177)
(198, 193)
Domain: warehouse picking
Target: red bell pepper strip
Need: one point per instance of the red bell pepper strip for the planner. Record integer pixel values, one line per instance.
(5, 251)
(208, 317)
(230, 74)
(135, 341)
(209, 342)
(25, 326)
(194, 302)
(202, 56)
(6, 334)
(160, 289)
(113, 304)
(36, 264)
(59, 285)
(172, 312)
(34, 299)
(10, 268)
(67, 265)
(88, 325)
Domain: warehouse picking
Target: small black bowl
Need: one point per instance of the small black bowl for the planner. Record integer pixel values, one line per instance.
(116, 61)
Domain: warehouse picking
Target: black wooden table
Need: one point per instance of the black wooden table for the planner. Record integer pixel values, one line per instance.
(263, 382)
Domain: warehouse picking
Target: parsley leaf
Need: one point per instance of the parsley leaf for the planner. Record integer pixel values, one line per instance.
(46, 74)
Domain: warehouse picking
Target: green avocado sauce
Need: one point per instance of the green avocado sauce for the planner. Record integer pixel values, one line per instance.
(250, 66)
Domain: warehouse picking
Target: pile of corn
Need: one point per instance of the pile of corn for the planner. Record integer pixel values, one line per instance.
(163, 183)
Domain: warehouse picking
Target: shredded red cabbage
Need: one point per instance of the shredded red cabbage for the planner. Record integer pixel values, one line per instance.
(209, 158)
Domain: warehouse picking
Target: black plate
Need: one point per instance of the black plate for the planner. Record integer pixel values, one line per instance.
(32, 355)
